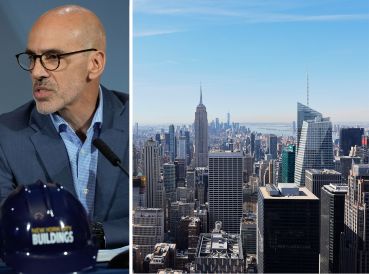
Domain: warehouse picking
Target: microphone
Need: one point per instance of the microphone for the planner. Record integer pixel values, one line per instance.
(108, 154)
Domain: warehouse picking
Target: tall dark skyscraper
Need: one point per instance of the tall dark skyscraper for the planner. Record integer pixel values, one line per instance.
(272, 145)
(201, 135)
(188, 148)
(252, 143)
(304, 113)
(288, 230)
(172, 143)
(332, 207)
(257, 152)
(349, 137)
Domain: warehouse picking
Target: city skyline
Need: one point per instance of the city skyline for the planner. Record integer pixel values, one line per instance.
(251, 59)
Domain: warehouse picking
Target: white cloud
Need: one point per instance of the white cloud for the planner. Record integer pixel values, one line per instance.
(154, 33)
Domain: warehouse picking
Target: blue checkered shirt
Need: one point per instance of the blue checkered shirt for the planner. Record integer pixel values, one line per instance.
(82, 155)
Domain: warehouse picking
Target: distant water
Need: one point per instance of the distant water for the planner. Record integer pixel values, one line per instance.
(284, 129)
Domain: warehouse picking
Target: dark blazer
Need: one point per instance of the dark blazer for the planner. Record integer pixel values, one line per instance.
(31, 149)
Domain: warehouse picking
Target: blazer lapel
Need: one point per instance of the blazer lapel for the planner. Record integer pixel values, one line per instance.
(114, 134)
(51, 151)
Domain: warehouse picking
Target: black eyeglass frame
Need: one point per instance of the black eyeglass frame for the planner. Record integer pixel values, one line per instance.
(58, 55)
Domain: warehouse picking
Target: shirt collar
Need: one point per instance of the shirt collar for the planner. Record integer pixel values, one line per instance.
(61, 125)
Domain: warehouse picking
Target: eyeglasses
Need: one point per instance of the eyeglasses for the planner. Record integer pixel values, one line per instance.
(49, 60)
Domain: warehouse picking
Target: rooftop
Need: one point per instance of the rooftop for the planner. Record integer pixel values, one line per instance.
(304, 194)
(220, 245)
(337, 188)
(225, 154)
(322, 171)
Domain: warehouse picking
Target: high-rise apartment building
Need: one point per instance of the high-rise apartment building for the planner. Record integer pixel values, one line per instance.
(355, 238)
(148, 229)
(315, 148)
(225, 189)
(151, 170)
(288, 229)
(201, 135)
(332, 206)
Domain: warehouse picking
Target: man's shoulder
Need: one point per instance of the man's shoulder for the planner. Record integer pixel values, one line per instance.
(119, 96)
(18, 118)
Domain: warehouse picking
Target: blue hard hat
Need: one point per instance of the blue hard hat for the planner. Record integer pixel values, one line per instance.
(45, 229)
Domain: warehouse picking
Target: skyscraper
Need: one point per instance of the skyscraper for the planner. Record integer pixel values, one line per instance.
(315, 179)
(272, 145)
(169, 178)
(355, 238)
(257, 151)
(201, 135)
(225, 189)
(349, 137)
(315, 148)
(252, 143)
(181, 148)
(172, 143)
(288, 164)
(151, 170)
(188, 148)
(332, 207)
(288, 240)
(304, 113)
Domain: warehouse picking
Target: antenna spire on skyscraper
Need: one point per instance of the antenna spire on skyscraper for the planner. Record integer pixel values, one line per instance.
(307, 88)
(200, 94)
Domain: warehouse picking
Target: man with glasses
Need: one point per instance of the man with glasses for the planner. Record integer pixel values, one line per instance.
(50, 138)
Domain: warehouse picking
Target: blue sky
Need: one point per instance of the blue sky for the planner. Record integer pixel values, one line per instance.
(251, 58)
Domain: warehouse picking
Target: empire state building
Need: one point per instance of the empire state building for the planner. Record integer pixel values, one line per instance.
(201, 135)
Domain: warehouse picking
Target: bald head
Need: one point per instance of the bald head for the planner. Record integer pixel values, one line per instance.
(75, 24)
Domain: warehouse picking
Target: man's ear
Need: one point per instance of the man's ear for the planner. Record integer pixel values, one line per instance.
(96, 65)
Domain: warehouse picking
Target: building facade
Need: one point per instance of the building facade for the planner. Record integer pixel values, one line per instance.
(332, 206)
(219, 252)
(315, 148)
(288, 164)
(225, 189)
(151, 170)
(201, 135)
(350, 137)
(315, 179)
(288, 240)
(355, 238)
